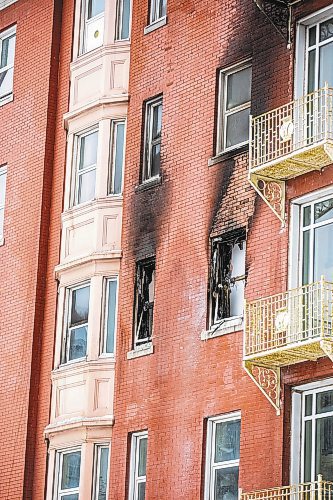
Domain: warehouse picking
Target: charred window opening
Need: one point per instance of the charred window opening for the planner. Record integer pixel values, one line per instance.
(144, 306)
(227, 277)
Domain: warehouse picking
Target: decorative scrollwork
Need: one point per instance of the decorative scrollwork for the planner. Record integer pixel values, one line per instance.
(268, 381)
(273, 193)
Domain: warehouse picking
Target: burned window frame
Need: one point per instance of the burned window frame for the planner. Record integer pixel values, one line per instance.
(221, 255)
(144, 307)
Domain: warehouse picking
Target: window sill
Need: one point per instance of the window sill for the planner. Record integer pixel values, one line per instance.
(149, 184)
(143, 350)
(6, 100)
(155, 25)
(227, 155)
(230, 325)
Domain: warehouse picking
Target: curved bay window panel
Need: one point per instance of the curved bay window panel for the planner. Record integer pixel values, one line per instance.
(85, 166)
(76, 335)
(144, 302)
(227, 277)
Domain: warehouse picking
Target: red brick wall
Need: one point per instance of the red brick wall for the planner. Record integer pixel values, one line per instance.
(171, 392)
(26, 146)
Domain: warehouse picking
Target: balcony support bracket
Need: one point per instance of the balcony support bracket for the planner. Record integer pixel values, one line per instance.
(278, 12)
(273, 192)
(268, 380)
(327, 348)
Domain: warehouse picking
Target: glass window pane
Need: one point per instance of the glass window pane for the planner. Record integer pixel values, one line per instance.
(118, 158)
(142, 457)
(227, 441)
(324, 447)
(80, 305)
(238, 260)
(88, 150)
(226, 484)
(238, 88)
(324, 402)
(306, 216)
(155, 160)
(323, 255)
(78, 343)
(326, 65)
(323, 210)
(237, 128)
(308, 405)
(306, 258)
(326, 30)
(312, 35)
(311, 71)
(162, 8)
(72, 496)
(111, 316)
(157, 121)
(86, 188)
(6, 82)
(95, 7)
(70, 477)
(307, 450)
(8, 51)
(125, 21)
(103, 473)
(141, 491)
(237, 298)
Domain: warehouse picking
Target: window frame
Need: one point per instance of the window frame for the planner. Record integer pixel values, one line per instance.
(3, 172)
(139, 343)
(119, 22)
(154, 7)
(8, 33)
(104, 332)
(223, 113)
(58, 495)
(113, 154)
(76, 165)
(148, 142)
(97, 467)
(6, 3)
(135, 479)
(64, 359)
(210, 465)
(84, 22)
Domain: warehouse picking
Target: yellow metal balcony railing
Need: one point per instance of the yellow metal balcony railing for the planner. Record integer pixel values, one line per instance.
(290, 141)
(284, 329)
(316, 490)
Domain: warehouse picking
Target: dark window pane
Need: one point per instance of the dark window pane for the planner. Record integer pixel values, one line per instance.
(307, 450)
(306, 216)
(95, 7)
(326, 30)
(111, 316)
(103, 474)
(306, 258)
(155, 160)
(157, 121)
(118, 158)
(311, 71)
(326, 65)
(308, 405)
(323, 210)
(324, 448)
(80, 305)
(312, 36)
(239, 88)
(7, 51)
(6, 82)
(324, 402)
(323, 255)
(71, 470)
(141, 491)
(78, 343)
(227, 441)
(226, 484)
(237, 128)
(142, 457)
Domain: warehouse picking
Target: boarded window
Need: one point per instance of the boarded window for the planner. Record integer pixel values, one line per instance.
(227, 279)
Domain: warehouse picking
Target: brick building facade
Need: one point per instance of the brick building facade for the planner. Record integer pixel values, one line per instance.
(176, 334)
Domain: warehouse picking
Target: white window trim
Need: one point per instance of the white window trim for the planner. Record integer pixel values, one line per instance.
(66, 334)
(154, 6)
(119, 21)
(297, 425)
(58, 495)
(294, 258)
(76, 163)
(113, 151)
(211, 429)
(6, 3)
(104, 331)
(83, 26)
(3, 35)
(148, 142)
(97, 464)
(300, 83)
(3, 171)
(135, 479)
(222, 112)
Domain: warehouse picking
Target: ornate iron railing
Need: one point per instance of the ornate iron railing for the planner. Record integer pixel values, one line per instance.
(316, 490)
(298, 316)
(304, 122)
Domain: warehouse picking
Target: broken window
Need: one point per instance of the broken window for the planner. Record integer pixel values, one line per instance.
(227, 279)
(145, 295)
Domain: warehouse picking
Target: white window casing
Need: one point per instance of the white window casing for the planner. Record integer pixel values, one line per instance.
(7, 57)
(6, 3)
(101, 471)
(152, 139)
(3, 179)
(138, 463)
(85, 166)
(123, 22)
(76, 317)
(67, 474)
(118, 139)
(108, 340)
(158, 10)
